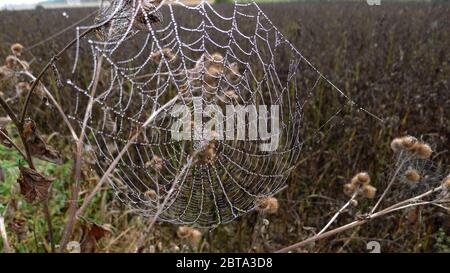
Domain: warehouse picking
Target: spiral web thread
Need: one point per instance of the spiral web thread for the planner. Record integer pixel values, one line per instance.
(154, 54)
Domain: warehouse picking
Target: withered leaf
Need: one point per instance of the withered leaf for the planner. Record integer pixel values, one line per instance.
(33, 185)
(38, 147)
(92, 233)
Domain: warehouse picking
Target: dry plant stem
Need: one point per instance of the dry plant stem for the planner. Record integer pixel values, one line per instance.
(45, 69)
(6, 247)
(50, 226)
(58, 107)
(13, 144)
(79, 151)
(394, 177)
(399, 206)
(338, 213)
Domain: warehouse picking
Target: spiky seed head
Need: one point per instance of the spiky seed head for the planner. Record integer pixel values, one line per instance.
(233, 74)
(183, 232)
(212, 76)
(349, 189)
(217, 57)
(156, 163)
(267, 205)
(151, 194)
(446, 183)
(360, 179)
(369, 191)
(195, 238)
(412, 175)
(11, 62)
(422, 150)
(192, 235)
(408, 142)
(24, 86)
(166, 52)
(396, 145)
(17, 49)
(231, 94)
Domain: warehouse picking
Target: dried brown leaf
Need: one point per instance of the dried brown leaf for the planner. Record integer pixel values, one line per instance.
(38, 147)
(92, 233)
(33, 185)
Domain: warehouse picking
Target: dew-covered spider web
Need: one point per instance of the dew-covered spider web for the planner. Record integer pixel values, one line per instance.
(146, 57)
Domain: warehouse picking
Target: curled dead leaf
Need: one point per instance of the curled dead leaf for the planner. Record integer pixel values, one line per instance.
(92, 233)
(33, 185)
(38, 147)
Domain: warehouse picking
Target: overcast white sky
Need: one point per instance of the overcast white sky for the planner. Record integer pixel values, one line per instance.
(17, 2)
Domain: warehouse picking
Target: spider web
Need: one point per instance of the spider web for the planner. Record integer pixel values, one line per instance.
(146, 57)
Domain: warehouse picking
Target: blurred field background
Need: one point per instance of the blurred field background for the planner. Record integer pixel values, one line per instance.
(393, 59)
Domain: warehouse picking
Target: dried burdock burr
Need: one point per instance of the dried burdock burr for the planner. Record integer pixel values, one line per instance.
(422, 150)
(166, 52)
(156, 163)
(412, 175)
(147, 14)
(368, 191)
(192, 235)
(17, 49)
(267, 205)
(11, 62)
(446, 183)
(360, 179)
(349, 189)
(232, 73)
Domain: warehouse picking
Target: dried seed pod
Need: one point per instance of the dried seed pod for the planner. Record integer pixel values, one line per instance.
(73, 247)
(446, 183)
(360, 179)
(206, 154)
(368, 191)
(396, 145)
(412, 175)
(17, 49)
(408, 142)
(166, 52)
(267, 205)
(12, 62)
(147, 15)
(232, 73)
(156, 163)
(33, 185)
(422, 150)
(192, 235)
(212, 76)
(183, 232)
(24, 86)
(151, 194)
(349, 189)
